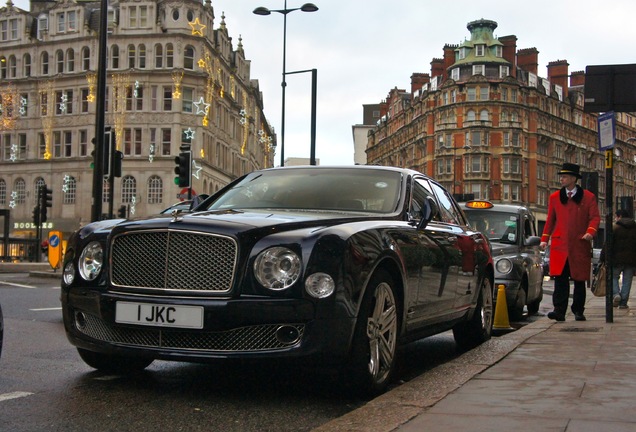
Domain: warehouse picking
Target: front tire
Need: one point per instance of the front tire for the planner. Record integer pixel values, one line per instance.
(374, 345)
(113, 363)
(478, 328)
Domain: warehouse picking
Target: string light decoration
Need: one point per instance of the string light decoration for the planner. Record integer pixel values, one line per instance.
(133, 201)
(47, 103)
(197, 27)
(63, 101)
(14, 197)
(151, 153)
(8, 107)
(207, 63)
(177, 78)
(196, 169)
(120, 87)
(91, 79)
(14, 153)
(23, 105)
(66, 183)
(244, 121)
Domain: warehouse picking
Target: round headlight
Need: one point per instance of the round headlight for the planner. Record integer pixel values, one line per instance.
(69, 273)
(91, 261)
(503, 265)
(319, 285)
(277, 268)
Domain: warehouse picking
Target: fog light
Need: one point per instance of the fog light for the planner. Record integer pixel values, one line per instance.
(69, 273)
(287, 335)
(80, 320)
(319, 285)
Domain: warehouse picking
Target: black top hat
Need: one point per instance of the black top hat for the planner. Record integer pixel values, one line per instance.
(571, 169)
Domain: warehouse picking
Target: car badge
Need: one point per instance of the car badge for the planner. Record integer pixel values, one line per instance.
(175, 215)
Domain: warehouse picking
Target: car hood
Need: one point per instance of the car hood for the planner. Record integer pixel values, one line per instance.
(235, 221)
(499, 249)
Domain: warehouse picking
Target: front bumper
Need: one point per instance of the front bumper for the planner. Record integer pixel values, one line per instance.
(254, 327)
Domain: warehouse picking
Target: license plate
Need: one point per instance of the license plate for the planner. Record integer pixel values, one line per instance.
(159, 315)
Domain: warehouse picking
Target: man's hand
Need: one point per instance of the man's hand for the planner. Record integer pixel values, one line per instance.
(543, 245)
(588, 237)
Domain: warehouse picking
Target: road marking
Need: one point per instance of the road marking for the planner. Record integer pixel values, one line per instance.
(14, 395)
(46, 309)
(17, 285)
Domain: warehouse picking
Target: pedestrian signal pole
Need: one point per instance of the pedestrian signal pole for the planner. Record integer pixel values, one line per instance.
(607, 139)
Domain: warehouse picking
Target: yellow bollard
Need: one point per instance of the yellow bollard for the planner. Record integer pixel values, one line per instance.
(501, 322)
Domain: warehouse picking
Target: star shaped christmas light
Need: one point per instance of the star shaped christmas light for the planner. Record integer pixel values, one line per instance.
(206, 106)
(197, 27)
(189, 133)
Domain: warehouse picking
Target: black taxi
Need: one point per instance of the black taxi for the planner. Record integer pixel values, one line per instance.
(513, 235)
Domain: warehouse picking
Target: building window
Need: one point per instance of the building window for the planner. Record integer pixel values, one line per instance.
(22, 146)
(3, 192)
(132, 53)
(169, 56)
(68, 143)
(84, 103)
(504, 71)
(167, 98)
(158, 56)
(128, 189)
(479, 50)
(19, 187)
(64, 102)
(484, 116)
(498, 51)
(86, 59)
(155, 190)
(511, 165)
(470, 116)
(43, 25)
(455, 74)
(105, 191)
(479, 70)
(142, 56)
(471, 94)
(132, 142)
(44, 62)
(59, 61)
(13, 67)
(83, 142)
(61, 22)
(70, 60)
(26, 65)
(187, 97)
(114, 57)
(70, 190)
(166, 141)
(188, 57)
(484, 93)
(453, 94)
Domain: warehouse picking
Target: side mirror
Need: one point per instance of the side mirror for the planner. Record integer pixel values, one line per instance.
(532, 241)
(428, 212)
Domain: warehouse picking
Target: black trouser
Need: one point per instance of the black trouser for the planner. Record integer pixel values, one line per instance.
(562, 293)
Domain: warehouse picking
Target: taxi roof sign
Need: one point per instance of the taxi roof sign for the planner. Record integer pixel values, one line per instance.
(479, 204)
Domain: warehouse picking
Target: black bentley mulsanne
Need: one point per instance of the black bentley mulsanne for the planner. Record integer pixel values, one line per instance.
(338, 264)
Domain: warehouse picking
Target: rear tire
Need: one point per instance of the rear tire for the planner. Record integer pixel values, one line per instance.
(374, 346)
(478, 328)
(113, 363)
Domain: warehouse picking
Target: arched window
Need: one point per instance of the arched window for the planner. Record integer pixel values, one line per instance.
(132, 53)
(13, 67)
(483, 115)
(128, 189)
(188, 57)
(106, 191)
(26, 65)
(70, 190)
(142, 56)
(86, 58)
(44, 61)
(155, 190)
(59, 61)
(114, 57)
(470, 115)
(158, 56)
(169, 55)
(70, 60)
(19, 187)
(3, 192)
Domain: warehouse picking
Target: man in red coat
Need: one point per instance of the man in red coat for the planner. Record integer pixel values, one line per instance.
(573, 220)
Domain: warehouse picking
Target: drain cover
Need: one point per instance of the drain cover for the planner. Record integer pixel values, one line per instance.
(581, 329)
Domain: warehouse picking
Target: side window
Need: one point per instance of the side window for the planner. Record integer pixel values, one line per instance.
(449, 212)
(528, 227)
(421, 190)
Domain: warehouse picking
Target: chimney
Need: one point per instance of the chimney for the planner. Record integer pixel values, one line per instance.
(577, 79)
(449, 58)
(528, 60)
(418, 80)
(437, 67)
(558, 74)
(509, 50)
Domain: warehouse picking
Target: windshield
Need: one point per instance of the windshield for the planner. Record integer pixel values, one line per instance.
(497, 226)
(357, 190)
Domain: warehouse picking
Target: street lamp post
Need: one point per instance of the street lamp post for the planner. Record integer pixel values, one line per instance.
(307, 7)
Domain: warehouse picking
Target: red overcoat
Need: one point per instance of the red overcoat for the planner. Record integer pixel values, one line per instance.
(568, 221)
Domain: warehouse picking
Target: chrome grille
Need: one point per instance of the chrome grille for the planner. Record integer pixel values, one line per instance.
(174, 260)
(242, 339)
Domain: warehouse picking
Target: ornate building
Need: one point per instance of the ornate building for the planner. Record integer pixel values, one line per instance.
(484, 123)
(172, 80)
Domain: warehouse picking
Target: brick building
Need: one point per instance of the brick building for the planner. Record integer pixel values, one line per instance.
(484, 122)
(174, 77)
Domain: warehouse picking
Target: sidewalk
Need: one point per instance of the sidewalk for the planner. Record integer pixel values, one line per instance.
(569, 376)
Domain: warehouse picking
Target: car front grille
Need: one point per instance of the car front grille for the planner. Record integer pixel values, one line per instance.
(242, 339)
(173, 260)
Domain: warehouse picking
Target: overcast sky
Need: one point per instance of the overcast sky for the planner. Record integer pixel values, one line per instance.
(364, 48)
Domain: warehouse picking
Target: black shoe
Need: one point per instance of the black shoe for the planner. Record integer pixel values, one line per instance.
(556, 316)
(579, 317)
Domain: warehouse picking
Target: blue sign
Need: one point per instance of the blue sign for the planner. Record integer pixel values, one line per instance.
(54, 241)
(606, 130)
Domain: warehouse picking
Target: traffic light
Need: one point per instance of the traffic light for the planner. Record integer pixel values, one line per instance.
(121, 212)
(117, 162)
(183, 168)
(36, 215)
(109, 161)
(46, 201)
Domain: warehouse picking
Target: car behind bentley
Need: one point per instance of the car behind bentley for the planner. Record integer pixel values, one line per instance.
(335, 264)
